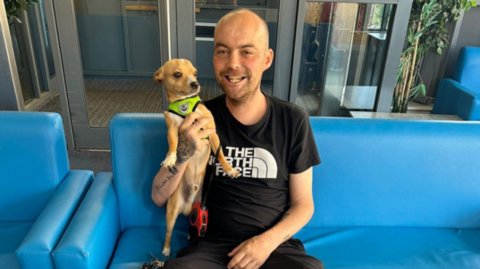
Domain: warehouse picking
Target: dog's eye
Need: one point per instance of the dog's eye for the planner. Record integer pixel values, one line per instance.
(177, 75)
(195, 74)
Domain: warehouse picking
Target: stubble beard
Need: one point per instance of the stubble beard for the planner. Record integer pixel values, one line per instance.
(246, 93)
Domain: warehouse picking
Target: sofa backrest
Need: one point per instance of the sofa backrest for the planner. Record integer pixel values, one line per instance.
(467, 69)
(33, 162)
(396, 173)
(139, 145)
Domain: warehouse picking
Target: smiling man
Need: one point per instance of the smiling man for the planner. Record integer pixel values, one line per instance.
(251, 218)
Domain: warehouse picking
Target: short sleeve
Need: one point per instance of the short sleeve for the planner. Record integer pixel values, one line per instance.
(304, 153)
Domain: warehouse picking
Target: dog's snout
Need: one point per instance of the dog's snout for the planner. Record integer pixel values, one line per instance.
(194, 85)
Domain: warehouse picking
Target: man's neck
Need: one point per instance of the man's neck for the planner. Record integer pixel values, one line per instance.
(251, 111)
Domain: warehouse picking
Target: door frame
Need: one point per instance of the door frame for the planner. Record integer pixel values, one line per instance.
(73, 99)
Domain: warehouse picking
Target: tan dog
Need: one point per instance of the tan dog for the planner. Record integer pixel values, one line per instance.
(179, 79)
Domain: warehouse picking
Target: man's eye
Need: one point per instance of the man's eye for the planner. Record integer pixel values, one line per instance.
(247, 52)
(177, 75)
(221, 52)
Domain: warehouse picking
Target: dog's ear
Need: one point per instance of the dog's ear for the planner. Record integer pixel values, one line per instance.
(158, 76)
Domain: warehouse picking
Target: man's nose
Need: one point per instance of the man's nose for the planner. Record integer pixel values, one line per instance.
(234, 61)
(194, 85)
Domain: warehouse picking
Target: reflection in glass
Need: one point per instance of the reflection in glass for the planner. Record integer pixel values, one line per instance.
(120, 50)
(23, 67)
(208, 12)
(343, 52)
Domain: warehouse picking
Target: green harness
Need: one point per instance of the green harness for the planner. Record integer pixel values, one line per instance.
(184, 107)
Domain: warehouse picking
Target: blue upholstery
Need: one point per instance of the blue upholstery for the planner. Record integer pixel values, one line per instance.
(461, 95)
(389, 173)
(11, 235)
(390, 247)
(138, 147)
(389, 194)
(91, 237)
(142, 243)
(39, 194)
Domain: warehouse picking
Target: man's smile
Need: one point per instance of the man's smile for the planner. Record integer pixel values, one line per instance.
(234, 79)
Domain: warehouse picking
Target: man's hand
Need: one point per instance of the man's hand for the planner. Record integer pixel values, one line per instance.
(190, 138)
(251, 254)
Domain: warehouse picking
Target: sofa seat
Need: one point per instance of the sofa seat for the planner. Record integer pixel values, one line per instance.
(399, 248)
(139, 244)
(11, 235)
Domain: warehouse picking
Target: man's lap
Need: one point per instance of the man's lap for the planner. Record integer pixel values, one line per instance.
(206, 254)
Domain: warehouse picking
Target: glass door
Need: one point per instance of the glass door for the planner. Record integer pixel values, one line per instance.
(348, 55)
(110, 50)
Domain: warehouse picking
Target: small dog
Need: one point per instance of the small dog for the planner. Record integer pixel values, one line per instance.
(179, 78)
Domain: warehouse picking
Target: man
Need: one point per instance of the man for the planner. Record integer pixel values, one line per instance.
(251, 218)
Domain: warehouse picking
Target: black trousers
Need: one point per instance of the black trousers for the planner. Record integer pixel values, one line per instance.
(213, 255)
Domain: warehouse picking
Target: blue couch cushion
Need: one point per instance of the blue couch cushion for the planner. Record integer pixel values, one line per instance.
(139, 144)
(138, 245)
(33, 162)
(399, 248)
(11, 235)
(468, 68)
(396, 173)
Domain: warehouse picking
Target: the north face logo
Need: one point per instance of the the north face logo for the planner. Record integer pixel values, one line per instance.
(250, 162)
(184, 108)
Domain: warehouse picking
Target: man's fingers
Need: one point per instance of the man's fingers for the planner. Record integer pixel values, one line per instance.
(206, 132)
(202, 143)
(201, 123)
(235, 250)
(189, 119)
(246, 262)
(235, 260)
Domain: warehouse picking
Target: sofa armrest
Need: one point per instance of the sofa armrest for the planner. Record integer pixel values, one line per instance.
(455, 99)
(90, 239)
(50, 225)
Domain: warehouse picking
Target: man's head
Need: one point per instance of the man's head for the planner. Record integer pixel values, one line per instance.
(241, 54)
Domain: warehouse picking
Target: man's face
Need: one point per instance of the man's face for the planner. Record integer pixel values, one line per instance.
(241, 55)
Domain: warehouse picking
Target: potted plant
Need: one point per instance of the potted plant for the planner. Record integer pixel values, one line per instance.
(426, 30)
(15, 7)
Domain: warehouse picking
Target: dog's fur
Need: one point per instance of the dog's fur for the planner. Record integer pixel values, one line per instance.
(179, 79)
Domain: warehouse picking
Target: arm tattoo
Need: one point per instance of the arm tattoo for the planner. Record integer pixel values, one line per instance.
(286, 238)
(285, 216)
(173, 170)
(186, 147)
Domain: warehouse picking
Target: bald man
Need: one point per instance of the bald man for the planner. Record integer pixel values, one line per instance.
(251, 218)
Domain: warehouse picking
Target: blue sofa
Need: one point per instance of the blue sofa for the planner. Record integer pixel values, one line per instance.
(461, 95)
(38, 193)
(389, 194)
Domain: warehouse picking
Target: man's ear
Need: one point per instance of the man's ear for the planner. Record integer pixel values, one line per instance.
(268, 59)
(158, 76)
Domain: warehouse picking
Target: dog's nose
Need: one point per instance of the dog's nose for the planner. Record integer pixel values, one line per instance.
(194, 85)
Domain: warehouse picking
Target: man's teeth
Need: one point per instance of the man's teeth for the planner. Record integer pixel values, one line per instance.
(234, 79)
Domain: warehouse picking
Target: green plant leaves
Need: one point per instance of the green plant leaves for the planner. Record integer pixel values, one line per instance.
(15, 7)
(433, 17)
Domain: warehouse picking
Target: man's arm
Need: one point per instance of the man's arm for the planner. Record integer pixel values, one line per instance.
(190, 140)
(254, 252)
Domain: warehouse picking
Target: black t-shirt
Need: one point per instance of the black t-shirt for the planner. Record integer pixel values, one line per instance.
(265, 154)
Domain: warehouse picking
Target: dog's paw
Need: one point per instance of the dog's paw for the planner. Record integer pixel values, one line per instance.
(170, 160)
(233, 173)
(166, 252)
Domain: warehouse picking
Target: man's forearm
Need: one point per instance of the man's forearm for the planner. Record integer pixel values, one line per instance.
(166, 182)
(293, 220)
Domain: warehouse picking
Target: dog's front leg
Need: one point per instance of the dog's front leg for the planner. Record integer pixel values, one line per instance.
(172, 137)
(215, 143)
